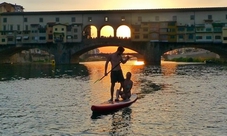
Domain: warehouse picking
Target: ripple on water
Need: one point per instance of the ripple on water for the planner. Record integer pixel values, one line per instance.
(192, 101)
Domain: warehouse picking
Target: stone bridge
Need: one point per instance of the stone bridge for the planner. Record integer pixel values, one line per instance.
(66, 53)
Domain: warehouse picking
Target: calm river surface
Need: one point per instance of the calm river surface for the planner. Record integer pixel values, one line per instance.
(44, 100)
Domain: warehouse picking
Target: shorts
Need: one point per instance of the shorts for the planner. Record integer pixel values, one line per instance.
(116, 76)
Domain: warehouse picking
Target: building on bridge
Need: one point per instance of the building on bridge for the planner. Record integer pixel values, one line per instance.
(8, 7)
(165, 25)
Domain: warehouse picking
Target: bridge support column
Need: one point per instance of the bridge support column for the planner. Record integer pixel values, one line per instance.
(152, 55)
(62, 55)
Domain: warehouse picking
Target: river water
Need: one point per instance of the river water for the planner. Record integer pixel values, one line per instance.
(45, 100)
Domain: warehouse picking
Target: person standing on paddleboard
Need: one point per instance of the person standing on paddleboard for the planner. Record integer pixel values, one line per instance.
(116, 74)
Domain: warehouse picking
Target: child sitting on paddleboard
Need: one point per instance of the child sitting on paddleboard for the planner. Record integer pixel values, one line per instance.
(127, 86)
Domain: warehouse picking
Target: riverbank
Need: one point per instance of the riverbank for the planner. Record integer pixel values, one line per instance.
(207, 61)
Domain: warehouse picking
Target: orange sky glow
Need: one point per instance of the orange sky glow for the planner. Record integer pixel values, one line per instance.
(123, 31)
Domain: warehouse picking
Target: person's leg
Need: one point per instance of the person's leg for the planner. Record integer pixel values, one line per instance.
(117, 95)
(113, 81)
(112, 91)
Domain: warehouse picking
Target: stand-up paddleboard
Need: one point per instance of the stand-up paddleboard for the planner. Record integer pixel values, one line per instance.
(112, 106)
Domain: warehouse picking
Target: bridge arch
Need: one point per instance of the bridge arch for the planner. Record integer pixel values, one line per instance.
(107, 31)
(123, 31)
(94, 45)
(92, 31)
(212, 47)
(32, 55)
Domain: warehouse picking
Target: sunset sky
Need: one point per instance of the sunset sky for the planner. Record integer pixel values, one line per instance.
(44, 5)
(61, 5)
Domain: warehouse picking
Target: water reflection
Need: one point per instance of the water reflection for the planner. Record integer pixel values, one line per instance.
(192, 102)
(121, 120)
(26, 71)
(168, 68)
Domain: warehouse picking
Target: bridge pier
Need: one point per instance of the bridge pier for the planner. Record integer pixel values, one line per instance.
(62, 55)
(152, 54)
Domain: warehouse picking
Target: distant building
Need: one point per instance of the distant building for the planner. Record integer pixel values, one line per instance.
(8, 7)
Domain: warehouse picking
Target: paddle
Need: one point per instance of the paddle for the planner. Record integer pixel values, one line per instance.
(107, 73)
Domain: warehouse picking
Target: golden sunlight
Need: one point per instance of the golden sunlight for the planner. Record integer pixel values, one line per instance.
(93, 31)
(124, 31)
(139, 63)
(107, 31)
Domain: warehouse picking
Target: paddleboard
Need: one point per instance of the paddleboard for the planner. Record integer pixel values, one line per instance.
(112, 106)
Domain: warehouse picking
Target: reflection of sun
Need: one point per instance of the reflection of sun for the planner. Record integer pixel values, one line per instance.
(169, 68)
(139, 63)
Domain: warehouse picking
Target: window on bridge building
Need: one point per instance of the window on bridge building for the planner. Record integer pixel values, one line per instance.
(40, 20)
(3, 40)
(140, 19)
(106, 19)
(50, 37)
(192, 17)
(145, 29)
(75, 37)
(199, 37)
(18, 27)
(25, 19)
(137, 29)
(11, 27)
(181, 36)
(10, 39)
(174, 18)
(154, 35)
(73, 19)
(26, 37)
(217, 37)
(4, 20)
(42, 38)
(57, 19)
(26, 27)
(89, 19)
(137, 37)
(4, 27)
(156, 18)
(180, 29)
(122, 18)
(210, 17)
(145, 36)
(3, 33)
(209, 37)
(18, 38)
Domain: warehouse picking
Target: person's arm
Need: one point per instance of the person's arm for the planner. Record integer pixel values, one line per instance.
(123, 61)
(129, 89)
(106, 65)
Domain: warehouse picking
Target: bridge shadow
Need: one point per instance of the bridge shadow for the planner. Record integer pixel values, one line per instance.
(27, 71)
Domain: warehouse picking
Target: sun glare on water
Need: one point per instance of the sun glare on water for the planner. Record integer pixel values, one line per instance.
(138, 63)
